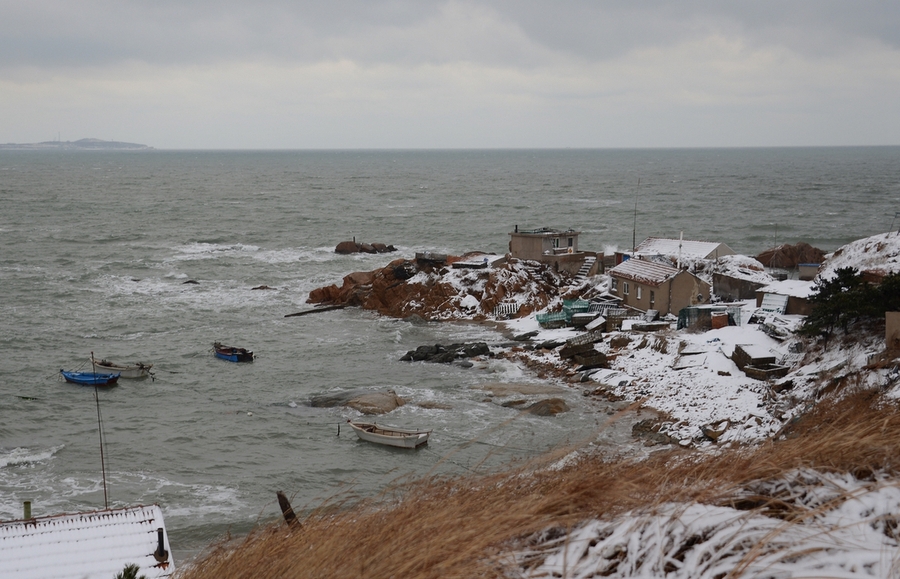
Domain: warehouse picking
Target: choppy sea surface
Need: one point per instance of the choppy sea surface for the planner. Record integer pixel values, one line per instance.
(96, 247)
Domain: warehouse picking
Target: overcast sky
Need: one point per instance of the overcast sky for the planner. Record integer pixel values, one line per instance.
(276, 74)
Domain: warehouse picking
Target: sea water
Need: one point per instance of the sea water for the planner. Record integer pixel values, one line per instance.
(97, 249)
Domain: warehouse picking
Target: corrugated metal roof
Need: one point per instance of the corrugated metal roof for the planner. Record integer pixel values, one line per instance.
(794, 288)
(669, 247)
(92, 545)
(647, 272)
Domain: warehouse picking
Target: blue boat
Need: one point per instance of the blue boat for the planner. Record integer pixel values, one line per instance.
(232, 354)
(90, 378)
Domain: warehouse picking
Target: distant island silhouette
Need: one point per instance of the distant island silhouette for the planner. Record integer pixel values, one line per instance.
(79, 145)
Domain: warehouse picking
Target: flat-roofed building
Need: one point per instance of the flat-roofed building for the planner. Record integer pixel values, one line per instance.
(555, 247)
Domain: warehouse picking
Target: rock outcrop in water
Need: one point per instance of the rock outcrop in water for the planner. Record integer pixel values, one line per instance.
(365, 401)
(445, 354)
(347, 247)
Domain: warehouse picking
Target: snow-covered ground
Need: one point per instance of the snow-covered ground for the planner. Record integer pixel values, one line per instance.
(843, 527)
(846, 527)
(691, 378)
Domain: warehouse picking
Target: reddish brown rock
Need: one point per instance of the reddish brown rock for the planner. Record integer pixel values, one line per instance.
(346, 247)
(437, 295)
(789, 256)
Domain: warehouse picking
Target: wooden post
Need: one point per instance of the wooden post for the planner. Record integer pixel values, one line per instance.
(289, 517)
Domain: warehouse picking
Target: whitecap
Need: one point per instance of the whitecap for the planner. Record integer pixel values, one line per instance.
(22, 455)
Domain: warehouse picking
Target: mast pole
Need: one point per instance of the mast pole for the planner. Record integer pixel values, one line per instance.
(102, 458)
(634, 225)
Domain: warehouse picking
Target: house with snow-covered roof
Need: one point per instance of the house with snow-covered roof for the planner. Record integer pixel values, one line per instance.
(87, 545)
(681, 249)
(647, 285)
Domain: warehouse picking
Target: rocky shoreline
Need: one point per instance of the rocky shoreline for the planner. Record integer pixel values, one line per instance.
(691, 379)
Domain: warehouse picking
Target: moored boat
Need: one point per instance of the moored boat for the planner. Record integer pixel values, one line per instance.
(232, 354)
(136, 370)
(90, 378)
(390, 435)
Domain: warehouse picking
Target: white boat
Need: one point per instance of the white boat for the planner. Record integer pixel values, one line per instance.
(389, 435)
(136, 370)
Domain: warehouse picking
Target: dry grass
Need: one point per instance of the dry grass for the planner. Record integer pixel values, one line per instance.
(464, 527)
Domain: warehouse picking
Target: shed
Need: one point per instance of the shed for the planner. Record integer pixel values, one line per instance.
(892, 330)
(89, 545)
(791, 293)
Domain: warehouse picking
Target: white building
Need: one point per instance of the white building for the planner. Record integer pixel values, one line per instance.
(91, 545)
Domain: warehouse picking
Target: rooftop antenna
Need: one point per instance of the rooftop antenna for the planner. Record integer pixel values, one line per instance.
(102, 459)
(634, 226)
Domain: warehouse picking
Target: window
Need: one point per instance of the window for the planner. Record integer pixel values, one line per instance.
(652, 297)
(625, 288)
(571, 242)
(638, 291)
(554, 242)
(614, 284)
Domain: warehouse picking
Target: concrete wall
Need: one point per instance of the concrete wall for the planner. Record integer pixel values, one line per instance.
(892, 330)
(660, 295)
(686, 289)
(731, 289)
(527, 246)
(535, 245)
(568, 262)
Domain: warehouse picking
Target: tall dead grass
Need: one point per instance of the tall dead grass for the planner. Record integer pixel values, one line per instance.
(463, 527)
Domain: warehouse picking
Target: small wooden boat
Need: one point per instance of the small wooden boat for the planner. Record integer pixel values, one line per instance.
(389, 435)
(90, 378)
(136, 370)
(232, 354)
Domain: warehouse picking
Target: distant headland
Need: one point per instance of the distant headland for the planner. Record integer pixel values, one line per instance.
(79, 145)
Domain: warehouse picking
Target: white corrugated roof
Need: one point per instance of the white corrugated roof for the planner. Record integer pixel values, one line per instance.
(689, 249)
(644, 271)
(93, 545)
(790, 287)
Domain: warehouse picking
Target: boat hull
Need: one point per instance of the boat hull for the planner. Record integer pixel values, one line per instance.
(390, 436)
(90, 378)
(232, 354)
(133, 371)
(241, 357)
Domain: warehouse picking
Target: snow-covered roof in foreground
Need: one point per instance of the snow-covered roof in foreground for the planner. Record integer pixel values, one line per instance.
(794, 288)
(93, 545)
(879, 253)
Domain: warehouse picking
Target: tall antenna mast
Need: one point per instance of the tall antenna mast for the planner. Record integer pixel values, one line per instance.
(634, 225)
(102, 459)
